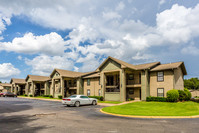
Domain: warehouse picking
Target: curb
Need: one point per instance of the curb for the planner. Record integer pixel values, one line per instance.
(148, 117)
(55, 100)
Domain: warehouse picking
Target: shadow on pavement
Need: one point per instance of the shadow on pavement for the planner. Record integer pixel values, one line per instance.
(18, 124)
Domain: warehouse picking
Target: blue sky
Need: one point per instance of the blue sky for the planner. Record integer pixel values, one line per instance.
(38, 36)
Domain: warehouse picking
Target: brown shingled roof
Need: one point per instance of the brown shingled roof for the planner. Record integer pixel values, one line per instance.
(124, 64)
(147, 65)
(38, 78)
(127, 65)
(94, 75)
(66, 73)
(170, 66)
(5, 84)
(18, 81)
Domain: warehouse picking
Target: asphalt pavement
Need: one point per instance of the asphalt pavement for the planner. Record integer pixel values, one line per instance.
(18, 115)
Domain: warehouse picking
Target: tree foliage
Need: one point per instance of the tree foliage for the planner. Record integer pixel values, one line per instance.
(191, 84)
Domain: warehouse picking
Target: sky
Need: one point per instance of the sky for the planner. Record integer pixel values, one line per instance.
(37, 36)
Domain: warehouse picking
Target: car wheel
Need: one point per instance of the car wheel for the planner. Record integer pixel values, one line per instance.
(94, 102)
(77, 104)
(15, 96)
(5, 96)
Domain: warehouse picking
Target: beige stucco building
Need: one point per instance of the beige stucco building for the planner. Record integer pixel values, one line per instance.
(65, 83)
(114, 79)
(5, 87)
(37, 85)
(18, 86)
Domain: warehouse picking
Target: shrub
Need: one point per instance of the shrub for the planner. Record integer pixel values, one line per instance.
(50, 96)
(172, 95)
(182, 95)
(25, 95)
(97, 97)
(60, 96)
(131, 99)
(30, 95)
(45, 95)
(188, 94)
(157, 99)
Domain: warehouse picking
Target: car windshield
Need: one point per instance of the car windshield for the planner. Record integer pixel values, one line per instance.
(72, 96)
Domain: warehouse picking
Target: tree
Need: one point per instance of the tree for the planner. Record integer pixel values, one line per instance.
(0, 82)
(191, 84)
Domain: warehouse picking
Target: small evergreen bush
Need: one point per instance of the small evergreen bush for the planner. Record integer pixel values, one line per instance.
(60, 96)
(30, 95)
(25, 95)
(50, 96)
(188, 94)
(182, 95)
(97, 97)
(172, 95)
(157, 99)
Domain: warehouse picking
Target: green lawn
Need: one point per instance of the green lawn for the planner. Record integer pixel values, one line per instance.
(43, 97)
(112, 102)
(156, 109)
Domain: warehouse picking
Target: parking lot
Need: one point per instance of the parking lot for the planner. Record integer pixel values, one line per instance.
(29, 116)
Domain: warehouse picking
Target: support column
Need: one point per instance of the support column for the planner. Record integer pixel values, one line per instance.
(145, 89)
(102, 82)
(53, 87)
(33, 89)
(15, 89)
(62, 86)
(122, 85)
(78, 86)
(26, 88)
(12, 88)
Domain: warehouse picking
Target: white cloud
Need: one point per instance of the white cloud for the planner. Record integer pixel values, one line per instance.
(191, 50)
(19, 57)
(103, 26)
(161, 2)
(120, 6)
(111, 15)
(44, 65)
(7, 70)
(49, 44)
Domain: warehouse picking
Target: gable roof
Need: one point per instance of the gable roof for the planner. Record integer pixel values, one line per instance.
(18, 81)
(5, 84)
(66, 73)
(171, 66)
(147, 65)
(93, 75)
(37, 78)
(127, 65)
(122, 63)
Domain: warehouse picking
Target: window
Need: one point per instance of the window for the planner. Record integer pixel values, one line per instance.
(160, 92)
(99, 92)
(131, 77)
(57, 74)
(160, 76)
(88, 92)
(88, 82)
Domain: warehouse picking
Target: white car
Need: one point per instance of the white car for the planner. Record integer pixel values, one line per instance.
(77, 100)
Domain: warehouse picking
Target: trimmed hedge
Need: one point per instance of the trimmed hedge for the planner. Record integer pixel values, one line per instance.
(172, 95)
(25, 95)
(157, 99)
(97, 97)
(60, 96)
(182, 95)
(188, 94)
(51, 96)
(30, 95)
